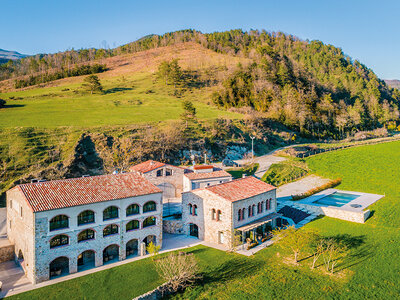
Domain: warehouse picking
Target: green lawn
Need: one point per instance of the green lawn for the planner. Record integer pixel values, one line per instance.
(134, 99)
(371, 271)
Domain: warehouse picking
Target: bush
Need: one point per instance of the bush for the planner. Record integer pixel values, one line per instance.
(313, 191)
(285, 172)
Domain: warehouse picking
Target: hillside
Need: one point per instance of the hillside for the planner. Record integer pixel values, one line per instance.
(393, 83)
(5, 56)
(269, 85)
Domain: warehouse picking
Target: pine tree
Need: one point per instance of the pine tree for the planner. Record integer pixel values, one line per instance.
(92, 84)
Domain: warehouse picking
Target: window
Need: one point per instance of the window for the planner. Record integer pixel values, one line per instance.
(253, 210)
(168, 172)
(10, 203)
(259, 207)
(85, 235)
(249, 213)
(110, 229)
(132, 209)
(134, 224)
(218, 215)
(59, 222)
(243, 213)
(262, 206)
(150, 221)
(110, 212)
(159, 173)
(239, 214)
(190, 209)
(21, 211)
(195, 210)
(86, 217)
(149, 206)
(268, 204)
(59, 240)
(213, 214)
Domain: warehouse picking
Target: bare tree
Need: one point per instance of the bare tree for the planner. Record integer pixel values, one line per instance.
(294, 239)
(179, 270)
(319, 249)
(334, 250)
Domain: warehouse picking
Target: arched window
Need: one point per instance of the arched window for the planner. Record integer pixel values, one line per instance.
(262, 206)
(218, 215)
(249, 213)
(259, 207)
(243, 213)
(85, 235)
(132, 209)
(213, 214)
(110, 229)
(190, 209)
(253, 210)
(195, 210)
(132, 225)
(59, 240)
(86, 217)
(59, 222)
(239, 214)
(110, 212)
(150, 221)
(268, 204)
(149, 206)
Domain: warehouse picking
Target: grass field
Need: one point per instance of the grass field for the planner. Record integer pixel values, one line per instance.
(371, 271)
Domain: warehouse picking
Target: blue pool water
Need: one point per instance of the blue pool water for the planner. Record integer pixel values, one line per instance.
(336, 199)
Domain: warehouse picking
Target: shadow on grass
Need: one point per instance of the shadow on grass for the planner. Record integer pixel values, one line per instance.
(116, 90)
(12, 106)
(232, 269)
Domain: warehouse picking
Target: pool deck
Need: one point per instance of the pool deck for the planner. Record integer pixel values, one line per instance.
(364, 200)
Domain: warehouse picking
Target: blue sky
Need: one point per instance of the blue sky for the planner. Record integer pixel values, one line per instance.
(365, 30)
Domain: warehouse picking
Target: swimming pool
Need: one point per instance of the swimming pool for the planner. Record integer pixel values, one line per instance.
(336, 199)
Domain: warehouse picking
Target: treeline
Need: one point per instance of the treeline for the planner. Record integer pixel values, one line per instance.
(47, 77)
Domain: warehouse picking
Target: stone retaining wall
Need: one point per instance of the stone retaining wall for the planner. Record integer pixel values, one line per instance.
(347, 215)
(174, 226)
(6, 253)
(157, 293)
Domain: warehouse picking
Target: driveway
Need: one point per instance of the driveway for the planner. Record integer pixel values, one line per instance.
(13, 278)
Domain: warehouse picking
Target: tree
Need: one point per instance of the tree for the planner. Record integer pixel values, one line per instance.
(334, 250)
(92, 84)
(294, 239)
(153, 249)
(164, 71)
(179, 270)
(175, 72)
(2, 103)
(189, 111)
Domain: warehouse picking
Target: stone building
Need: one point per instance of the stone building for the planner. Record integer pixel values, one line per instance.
(246, 207)
(167, 177)
(66, 226)
(204, 176)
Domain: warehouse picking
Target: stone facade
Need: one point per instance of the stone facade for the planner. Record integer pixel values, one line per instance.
(173, 226)
(32, 235)
(218, 230)
(171, 185)
(7, 252)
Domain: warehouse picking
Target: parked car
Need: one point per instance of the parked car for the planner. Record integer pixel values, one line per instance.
(229, 163)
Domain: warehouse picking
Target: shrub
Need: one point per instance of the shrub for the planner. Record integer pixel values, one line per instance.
(313, 191)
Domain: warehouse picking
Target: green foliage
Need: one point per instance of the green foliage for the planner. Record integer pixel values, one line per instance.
(248, 170)
(285, 172)
(47, 77)
(189, 111)
(170, 72)
(328, 185)
(153, 249)
(92, 84)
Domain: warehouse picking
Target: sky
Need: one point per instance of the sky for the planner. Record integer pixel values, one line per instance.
(365, 30)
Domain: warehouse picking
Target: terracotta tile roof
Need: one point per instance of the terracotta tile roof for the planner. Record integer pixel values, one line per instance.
(147, 166)
(202, 167)
(240, 189)
(216, 174)
(56, 194)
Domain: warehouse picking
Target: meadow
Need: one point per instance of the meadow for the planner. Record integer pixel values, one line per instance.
(370, 271)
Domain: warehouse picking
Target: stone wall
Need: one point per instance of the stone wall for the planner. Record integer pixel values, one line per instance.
(7, 252)
(174, 226)
(20, 230)
(156, 294)
(347, 215)
(44, 255)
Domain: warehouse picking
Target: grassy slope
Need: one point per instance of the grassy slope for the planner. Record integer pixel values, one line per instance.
(127, 99)
(371, 271)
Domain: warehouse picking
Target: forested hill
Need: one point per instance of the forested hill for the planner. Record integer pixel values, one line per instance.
(306, 85)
